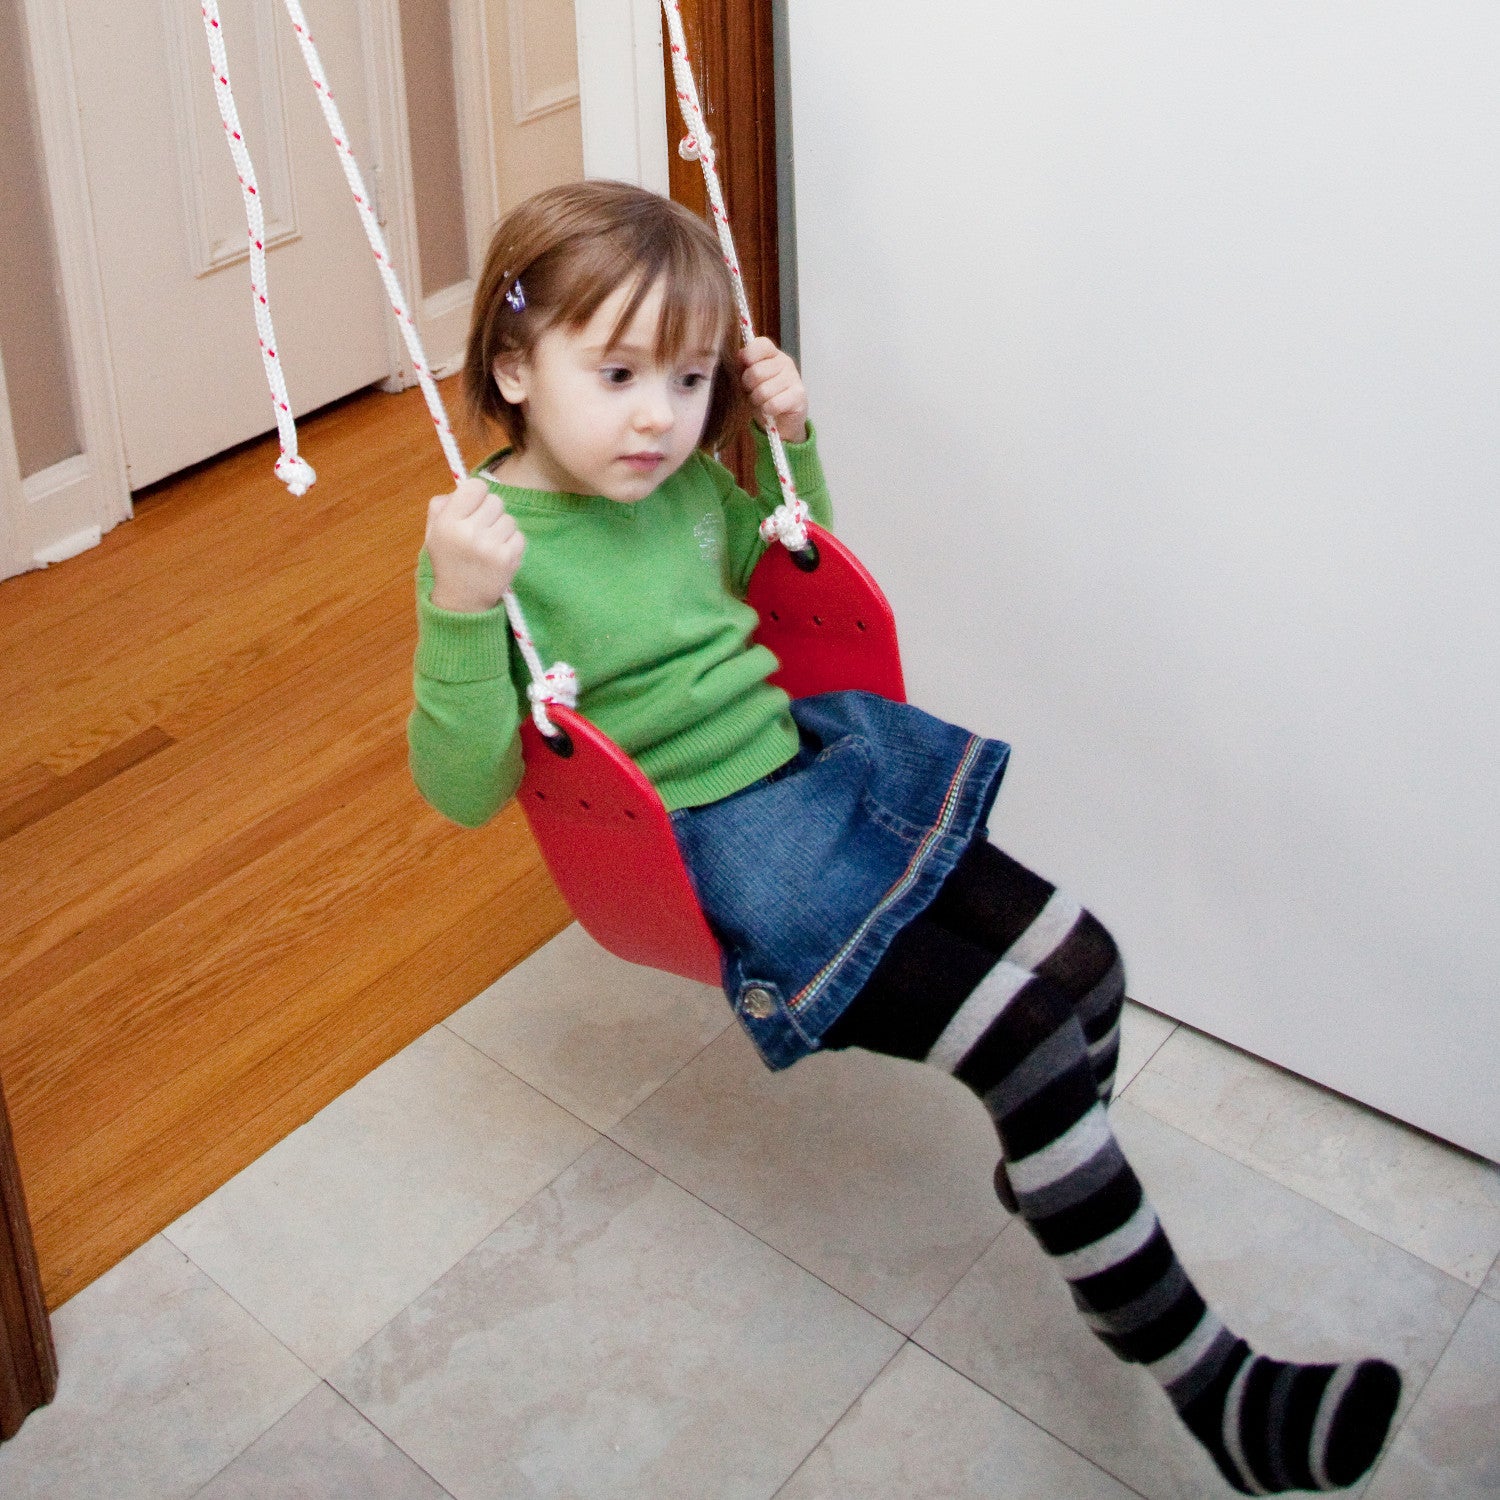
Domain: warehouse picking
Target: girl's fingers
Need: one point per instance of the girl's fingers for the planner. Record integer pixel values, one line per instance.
(490, 511)
(767, 369)
(468, 495)
(779, 397)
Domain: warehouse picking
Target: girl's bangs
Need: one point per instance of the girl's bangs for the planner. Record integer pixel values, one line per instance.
(697, 312)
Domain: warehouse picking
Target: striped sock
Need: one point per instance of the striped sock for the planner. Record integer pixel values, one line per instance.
(1016, 1040)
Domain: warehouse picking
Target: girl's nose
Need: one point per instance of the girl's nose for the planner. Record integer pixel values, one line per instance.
(654, 411)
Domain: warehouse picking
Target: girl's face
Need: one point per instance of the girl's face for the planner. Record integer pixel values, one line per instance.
(606, 418)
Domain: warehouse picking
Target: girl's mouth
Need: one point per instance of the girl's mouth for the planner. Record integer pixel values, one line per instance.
(643, 462)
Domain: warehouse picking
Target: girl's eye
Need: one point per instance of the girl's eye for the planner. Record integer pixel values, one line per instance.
(692, 380)
(616, 374)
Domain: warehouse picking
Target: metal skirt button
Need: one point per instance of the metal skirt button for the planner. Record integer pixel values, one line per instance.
(759, 1004)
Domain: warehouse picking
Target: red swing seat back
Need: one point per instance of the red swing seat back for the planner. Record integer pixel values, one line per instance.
(599, 822)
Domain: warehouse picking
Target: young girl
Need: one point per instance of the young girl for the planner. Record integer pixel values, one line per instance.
(838, 843)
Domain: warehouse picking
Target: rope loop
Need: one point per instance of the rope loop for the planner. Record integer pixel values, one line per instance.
(296, 473)
(558, 684)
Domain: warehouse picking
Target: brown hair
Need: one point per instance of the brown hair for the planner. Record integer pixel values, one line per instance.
(570, 248)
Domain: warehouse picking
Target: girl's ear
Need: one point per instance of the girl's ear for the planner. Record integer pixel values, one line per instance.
(509, 371)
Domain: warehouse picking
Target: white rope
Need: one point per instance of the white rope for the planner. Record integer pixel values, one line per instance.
(558, 683)
(378, 247)
(788, 522)
(294, 471)
(555, 684)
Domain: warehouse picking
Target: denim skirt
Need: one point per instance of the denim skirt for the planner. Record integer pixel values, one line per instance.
(806, 875)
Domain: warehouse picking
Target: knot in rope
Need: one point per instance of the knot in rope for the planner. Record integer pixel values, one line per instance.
(787, 524)
(558, 684)
(689, 149)
(295, 473)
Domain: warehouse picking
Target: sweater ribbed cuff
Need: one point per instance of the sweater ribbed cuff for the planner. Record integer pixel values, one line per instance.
(453, 646)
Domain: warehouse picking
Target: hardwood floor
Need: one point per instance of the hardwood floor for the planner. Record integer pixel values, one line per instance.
(223, 900)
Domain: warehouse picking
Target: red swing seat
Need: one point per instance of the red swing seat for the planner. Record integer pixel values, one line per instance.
(602, 828)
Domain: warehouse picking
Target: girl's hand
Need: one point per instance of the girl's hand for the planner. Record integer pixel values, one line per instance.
(775, 389)
(475, 548)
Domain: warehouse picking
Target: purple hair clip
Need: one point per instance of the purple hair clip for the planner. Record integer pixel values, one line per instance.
(515, 298)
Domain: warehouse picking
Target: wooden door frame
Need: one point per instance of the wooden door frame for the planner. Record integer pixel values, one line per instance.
(732, 48)
(28, 1360)
(393, 186)
(68, 506)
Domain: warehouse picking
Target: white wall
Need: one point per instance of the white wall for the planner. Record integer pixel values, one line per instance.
(1175, 328)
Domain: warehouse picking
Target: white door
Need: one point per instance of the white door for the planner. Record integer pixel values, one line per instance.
(1186, 323)
(170, 228)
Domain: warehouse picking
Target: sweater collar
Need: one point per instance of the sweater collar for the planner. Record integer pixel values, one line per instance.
(562, 502)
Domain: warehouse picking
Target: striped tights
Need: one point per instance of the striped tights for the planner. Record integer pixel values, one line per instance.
(1011, 987)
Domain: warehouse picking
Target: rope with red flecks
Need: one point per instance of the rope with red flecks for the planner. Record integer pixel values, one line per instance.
(788, 522)
(378, 247)
(294, 471)
(555, 684)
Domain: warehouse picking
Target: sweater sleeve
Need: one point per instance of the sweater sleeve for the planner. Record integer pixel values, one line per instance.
(463, 734)
(743, 513)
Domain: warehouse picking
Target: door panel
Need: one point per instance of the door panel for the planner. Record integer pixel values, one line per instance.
(169, 224)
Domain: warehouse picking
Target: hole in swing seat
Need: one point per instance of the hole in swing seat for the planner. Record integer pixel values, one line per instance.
(630, 815)
(817, 619)
(774, 615)
(585, 804)
(860, 624)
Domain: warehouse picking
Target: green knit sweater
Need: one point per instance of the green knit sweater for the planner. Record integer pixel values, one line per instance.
(646, 602)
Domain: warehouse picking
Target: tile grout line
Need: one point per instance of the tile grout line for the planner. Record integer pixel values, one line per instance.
(337, 1396)
(639, 1104)
(499, 1223)
(1421, 1260)
(1317, 1088)
(776, 1250)
(276, 1339)
(1150, 1056)
(376, 1427)
(427, 1287)
(848, 1296)
(802, 1462)
(1305, 1196)
(1031, 1421)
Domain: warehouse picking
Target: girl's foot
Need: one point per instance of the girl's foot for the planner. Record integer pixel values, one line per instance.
(1273, 1427)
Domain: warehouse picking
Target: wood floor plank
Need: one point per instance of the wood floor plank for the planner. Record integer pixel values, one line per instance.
(189, 799)
(238, 1069)
(268, 929)
(113, 698)
(233, 510)
(59, 791)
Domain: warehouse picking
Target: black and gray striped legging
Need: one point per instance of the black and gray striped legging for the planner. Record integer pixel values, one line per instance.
(1006, 983)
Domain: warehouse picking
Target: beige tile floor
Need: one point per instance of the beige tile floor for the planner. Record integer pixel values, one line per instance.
(576, 1242)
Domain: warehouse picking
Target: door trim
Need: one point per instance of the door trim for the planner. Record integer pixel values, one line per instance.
(442, 319)
(28, 1359)
(624, 115)
(70, 505)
